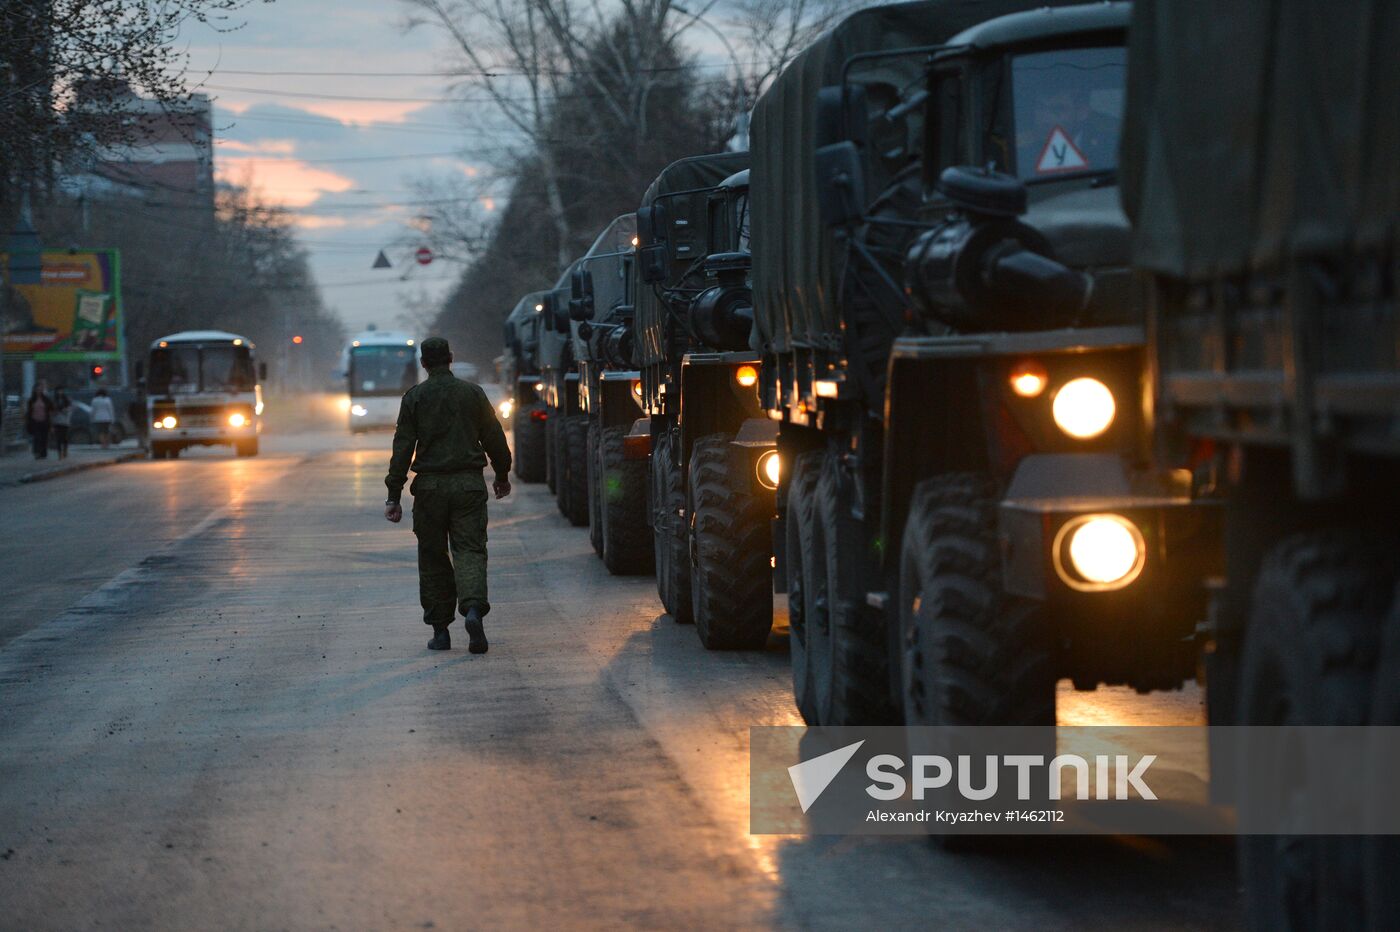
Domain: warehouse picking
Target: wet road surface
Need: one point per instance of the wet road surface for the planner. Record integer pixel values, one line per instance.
(218, 712)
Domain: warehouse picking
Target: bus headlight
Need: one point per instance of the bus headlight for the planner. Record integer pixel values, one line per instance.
(237, 419)
(1099, 552)
(1083, 408)
(769, 468)
(358, 410)
(168, 422)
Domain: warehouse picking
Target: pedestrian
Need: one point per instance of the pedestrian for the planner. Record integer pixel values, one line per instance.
(38, 419)
(103, 415)
(448, 429)
(62, 420)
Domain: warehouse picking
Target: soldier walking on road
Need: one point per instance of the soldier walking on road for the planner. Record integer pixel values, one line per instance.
(453, 428)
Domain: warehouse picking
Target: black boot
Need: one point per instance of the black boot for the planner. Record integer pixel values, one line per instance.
(476, 631)
(441, 639)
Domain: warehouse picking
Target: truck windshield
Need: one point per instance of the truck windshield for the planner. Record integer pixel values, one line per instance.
(1067, 106)
(382, 370)
(190, 368)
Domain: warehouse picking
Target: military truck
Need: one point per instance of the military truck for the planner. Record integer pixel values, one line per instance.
(520, 374)
(714, 460)
(566, 427)
(602, 308)
(1270, 266)
(952, 345)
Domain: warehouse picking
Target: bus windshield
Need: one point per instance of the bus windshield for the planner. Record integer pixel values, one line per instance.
(382, 370)
(187, 369)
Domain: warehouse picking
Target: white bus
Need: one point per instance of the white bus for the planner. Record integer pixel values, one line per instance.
(202, 390)
(378, 366)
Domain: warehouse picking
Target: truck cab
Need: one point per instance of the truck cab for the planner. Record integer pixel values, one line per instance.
(202, 389)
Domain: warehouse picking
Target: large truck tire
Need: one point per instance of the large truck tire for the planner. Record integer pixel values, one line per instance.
(858, 650)
(529, 445)
(801, 516)
(1382, 855)
(551, 450)
(621, 489)
(595, 490)
(572, 475)
(1315, 630)
(669, 537)
(731, 583)
(971, 654)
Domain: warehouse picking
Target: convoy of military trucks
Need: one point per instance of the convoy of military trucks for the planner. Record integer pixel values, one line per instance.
(993, 360)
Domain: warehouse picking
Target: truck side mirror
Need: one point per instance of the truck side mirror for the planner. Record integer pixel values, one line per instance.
(840, 184)
(547, 313)
(841, 115)
(653, 262)
(581, 287)
(262, 371)
(644, 226)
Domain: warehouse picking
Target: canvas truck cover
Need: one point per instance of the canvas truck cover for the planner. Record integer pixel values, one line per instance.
(687, 221)
(794, 274)
(604, 261)
(1258, 132)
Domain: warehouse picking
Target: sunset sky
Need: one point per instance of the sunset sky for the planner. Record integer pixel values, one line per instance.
(345, 166)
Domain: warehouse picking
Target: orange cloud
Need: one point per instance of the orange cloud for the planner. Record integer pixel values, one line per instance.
(289, 182)
(261, 147)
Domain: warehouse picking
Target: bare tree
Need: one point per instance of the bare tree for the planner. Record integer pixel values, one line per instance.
(768, 34)
(507, 50)
(65, 67)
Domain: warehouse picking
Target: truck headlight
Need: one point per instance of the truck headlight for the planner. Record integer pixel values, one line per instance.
(358, 410)
(1083, 408)
(768, 468)
(237, 419)
(1099, 552)
(168, 422)
(506, 407)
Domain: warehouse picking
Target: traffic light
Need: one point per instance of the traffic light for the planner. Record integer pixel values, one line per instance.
(297, 339)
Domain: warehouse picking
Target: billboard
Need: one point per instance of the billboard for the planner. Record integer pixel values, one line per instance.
(73, 314)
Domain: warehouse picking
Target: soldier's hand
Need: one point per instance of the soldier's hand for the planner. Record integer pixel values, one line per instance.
(501, 487)
(394, 512)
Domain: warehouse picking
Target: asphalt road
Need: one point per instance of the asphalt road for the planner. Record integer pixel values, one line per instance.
(216, 711)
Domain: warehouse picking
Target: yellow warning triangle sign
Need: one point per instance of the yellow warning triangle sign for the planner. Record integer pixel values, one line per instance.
(1060, 155)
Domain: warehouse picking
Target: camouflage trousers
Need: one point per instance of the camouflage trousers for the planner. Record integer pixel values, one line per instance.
(449, 519)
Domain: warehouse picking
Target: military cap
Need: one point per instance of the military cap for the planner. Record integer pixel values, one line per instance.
(435, 349)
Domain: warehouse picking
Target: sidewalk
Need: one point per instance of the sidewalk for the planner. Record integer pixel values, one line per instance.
(18, 466)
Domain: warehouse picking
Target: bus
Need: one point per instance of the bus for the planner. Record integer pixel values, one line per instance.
(202, 390)
(378, 366)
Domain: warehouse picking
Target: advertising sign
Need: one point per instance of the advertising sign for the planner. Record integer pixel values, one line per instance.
(73, 314)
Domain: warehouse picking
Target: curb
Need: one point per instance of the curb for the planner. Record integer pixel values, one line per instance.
(59, 473)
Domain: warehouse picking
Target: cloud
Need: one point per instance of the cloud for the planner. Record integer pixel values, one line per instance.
(288, 182)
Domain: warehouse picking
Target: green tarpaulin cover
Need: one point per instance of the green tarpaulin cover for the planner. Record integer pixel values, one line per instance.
(1256, 132)
(794, 274)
